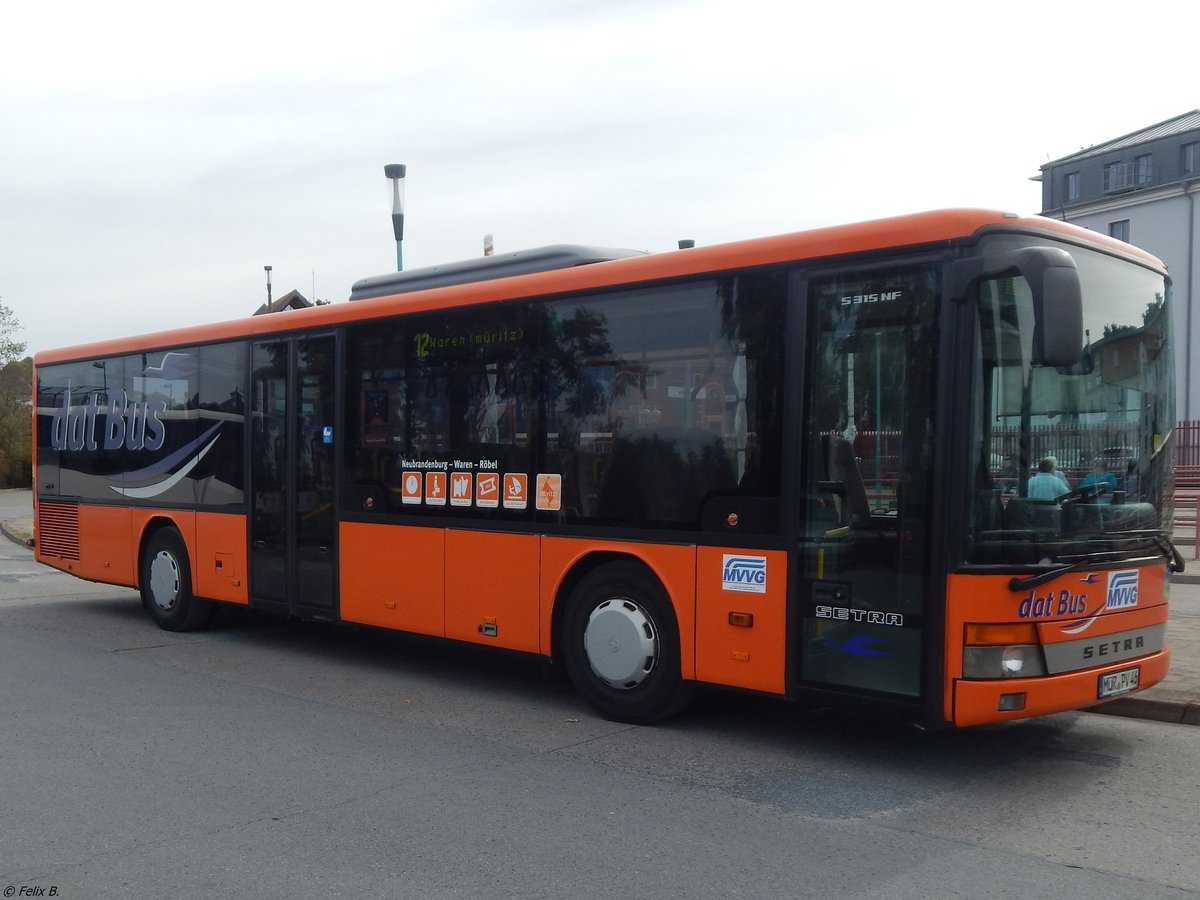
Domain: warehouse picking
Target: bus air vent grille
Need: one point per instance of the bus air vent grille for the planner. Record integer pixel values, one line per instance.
(58, 529)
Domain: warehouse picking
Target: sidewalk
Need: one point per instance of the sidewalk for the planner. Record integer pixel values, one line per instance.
(1175, 699)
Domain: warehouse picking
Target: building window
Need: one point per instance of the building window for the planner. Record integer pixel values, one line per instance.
(1143, 168)
(1071, 186)
(1119, 230)
(1118, 176)
(1189, 159)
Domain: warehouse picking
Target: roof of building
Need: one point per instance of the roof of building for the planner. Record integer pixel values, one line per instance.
(1189, 121)
(290, 300)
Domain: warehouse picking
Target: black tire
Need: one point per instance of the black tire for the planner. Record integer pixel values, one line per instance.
(620, 645)
(166, 582)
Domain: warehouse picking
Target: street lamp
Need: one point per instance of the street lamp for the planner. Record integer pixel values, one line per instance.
(267, 269)
(395, 171)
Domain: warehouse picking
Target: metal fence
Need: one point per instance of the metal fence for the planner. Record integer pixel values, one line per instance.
(1187, 444)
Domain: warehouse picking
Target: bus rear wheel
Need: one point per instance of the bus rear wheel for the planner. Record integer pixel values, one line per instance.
(166, 583)
(620, 645)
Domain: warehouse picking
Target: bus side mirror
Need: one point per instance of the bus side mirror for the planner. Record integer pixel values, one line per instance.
(1053, 281)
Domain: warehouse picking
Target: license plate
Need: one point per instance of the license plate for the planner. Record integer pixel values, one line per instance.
(1118, 682)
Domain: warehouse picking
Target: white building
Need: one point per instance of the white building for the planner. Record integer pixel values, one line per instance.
(1143, 188)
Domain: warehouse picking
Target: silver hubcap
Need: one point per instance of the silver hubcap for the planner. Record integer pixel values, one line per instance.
(621, 643)
(164, 580)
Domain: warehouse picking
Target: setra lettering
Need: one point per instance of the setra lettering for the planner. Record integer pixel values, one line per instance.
(1112, 648)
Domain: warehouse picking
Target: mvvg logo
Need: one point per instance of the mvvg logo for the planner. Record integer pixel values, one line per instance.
(1122, 589)
(744, 573)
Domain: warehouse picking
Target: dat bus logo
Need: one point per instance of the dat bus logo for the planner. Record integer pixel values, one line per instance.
(132, 425)
(744, 573)
(1064, 603)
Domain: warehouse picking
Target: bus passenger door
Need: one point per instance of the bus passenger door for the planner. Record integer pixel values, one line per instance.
(293, 549)
(867, 480)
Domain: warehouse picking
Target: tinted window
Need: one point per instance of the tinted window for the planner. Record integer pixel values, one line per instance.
(642, 407)
(665, 401)
(129, 428)
(442, 413)
(219, 476)
(160, 427)
(76, 455)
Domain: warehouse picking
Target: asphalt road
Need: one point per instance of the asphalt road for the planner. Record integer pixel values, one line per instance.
(274, 759)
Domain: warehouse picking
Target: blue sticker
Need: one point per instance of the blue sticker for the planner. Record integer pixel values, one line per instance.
(861, 645)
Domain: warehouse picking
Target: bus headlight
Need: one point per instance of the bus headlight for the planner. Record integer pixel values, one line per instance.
(1011, 661)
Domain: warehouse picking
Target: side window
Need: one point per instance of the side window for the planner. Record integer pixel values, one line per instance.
(158, 417)
(443, 413)
(49, 392)
(122, 428)
(76, 455)
(662, 401)
(646, 408)
(871, 389)
(220, 475)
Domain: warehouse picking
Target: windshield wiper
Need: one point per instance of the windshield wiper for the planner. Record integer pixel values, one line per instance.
(1032, 581)
(1160, 540)
(1169, 550)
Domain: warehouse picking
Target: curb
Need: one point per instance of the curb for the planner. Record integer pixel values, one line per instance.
(13, 536)
(1172, 711)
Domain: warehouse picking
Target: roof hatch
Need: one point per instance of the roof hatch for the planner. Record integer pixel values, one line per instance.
(486, 268)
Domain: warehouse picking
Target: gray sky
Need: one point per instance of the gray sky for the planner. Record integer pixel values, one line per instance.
(156, 156)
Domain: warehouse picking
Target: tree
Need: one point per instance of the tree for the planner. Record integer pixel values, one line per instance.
(16, 380)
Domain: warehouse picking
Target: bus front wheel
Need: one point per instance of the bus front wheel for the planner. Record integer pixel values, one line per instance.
(166, 582)
(621, 645)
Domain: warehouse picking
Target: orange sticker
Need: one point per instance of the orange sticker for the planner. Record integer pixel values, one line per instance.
(487, 490)
(460, 488)
(549, 492)
(435, 488)
(410, 487)
(516, 491)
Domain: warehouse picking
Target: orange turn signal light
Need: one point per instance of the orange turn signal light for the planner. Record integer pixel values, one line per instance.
(1004, 633)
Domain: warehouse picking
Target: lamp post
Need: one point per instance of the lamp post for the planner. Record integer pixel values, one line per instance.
(267, 269)
(396, 171)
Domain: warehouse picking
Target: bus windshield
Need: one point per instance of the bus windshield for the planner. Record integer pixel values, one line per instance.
(1072, 463)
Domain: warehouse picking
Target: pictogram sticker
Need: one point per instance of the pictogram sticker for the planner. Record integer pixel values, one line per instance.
(549, 492)
(435, 488)
(487, 490)
(460, 488)
(516, 491)
(410, 487)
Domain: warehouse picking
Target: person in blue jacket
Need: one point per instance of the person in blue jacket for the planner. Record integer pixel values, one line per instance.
(1100, 476)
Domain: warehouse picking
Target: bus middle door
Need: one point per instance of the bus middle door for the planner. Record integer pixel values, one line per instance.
(293, 551)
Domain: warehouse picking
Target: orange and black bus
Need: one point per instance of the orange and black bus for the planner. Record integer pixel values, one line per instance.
(809, 466)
